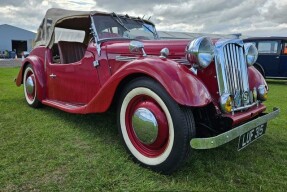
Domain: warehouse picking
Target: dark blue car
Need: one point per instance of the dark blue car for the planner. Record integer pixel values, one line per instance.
(272, 57)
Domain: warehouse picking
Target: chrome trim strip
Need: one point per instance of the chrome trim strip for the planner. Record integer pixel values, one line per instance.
(181, 61)
(213, 142)
(245, 106)
(238, 51)
(125, 58)
(96, 36)
(244, 71)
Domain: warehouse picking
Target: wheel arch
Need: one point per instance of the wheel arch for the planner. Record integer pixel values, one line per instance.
(38, 68)
(259, 67)
(255, 78)
(181, 84)
(124, 82)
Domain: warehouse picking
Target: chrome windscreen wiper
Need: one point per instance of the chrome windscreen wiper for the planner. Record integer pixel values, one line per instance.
(119, 21)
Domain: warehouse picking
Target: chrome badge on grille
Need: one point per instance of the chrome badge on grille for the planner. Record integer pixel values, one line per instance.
(245, 97)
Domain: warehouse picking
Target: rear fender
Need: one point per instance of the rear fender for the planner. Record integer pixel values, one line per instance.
(38, 67)
(185, 88)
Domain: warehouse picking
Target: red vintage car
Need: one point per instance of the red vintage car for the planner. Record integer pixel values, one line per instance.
(172, 95)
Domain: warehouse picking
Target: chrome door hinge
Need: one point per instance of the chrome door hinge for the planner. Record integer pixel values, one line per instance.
(96, 63)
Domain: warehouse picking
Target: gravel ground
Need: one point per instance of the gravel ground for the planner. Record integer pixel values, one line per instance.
(10, 62)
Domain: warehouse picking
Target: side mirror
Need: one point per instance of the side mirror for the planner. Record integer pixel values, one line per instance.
(137, 47)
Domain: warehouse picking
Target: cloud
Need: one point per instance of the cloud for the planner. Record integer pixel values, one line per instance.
(221, 16)
(250, 17)
(28, 14)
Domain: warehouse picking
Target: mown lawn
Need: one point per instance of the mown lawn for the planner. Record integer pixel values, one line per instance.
(50, 150)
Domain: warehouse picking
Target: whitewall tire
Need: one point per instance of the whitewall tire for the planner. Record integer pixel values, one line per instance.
(30, 87)
(154, 128)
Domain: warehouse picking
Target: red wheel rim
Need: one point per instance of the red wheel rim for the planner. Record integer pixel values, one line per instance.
(161, 142)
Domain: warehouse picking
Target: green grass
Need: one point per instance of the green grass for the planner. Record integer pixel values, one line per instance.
(50, 150)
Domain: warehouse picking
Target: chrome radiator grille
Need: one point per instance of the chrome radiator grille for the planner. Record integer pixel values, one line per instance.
(235, 69)
(232, 74)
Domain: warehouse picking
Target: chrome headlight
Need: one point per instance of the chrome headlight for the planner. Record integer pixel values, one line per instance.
(251, 53)
(200, 52)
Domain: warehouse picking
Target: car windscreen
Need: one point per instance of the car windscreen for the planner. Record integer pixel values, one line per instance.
(115, 27)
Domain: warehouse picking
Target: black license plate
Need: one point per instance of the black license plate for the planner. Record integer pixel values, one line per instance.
(252, 135)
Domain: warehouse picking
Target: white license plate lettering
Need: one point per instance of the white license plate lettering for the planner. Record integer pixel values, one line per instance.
(251, 135)
(259, 131)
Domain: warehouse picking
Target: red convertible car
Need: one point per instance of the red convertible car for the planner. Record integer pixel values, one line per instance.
(171, 95)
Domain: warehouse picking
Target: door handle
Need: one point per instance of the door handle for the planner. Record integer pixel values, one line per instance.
(277, 57)
(53, 76)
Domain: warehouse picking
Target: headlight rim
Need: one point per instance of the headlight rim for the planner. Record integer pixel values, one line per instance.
(262, 92)
(193, 51)
(247, 48)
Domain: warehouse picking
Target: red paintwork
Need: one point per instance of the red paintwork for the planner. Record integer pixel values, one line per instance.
(208, 77)
(159, 145)
(185, 88)
(81, 88)
(36, 58)
(75, 83)
(242, 117)
(176, 47)
(255, 78)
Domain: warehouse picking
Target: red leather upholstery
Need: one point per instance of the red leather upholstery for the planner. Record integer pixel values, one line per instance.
(71, 52)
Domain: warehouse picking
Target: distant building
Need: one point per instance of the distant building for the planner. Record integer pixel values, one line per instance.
(15, 39)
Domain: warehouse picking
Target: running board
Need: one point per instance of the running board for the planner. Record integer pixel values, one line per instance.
(64, 106)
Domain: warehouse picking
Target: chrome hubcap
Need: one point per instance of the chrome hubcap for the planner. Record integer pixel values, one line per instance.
(145, 125)
(30, 85)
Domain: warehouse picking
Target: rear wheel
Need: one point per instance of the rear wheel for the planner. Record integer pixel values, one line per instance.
(30, 88)
(155, 129)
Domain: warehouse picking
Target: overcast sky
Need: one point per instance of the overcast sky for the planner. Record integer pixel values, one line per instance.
(249, 17)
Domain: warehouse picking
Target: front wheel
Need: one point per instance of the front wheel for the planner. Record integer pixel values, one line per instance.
(155, 129)
(30, 88)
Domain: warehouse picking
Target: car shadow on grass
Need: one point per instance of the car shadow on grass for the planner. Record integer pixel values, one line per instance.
(98, 123)
(217, 163)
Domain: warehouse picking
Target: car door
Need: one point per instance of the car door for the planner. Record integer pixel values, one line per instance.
(283, 60)
(268, 58)
(75, 83)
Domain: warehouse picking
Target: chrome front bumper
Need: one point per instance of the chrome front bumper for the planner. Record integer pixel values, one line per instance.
(216, 141)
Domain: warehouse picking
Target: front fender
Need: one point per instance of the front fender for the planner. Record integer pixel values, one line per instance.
(257, 65)
(38, 67)
(255, 78)
(185, 88)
